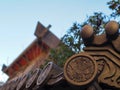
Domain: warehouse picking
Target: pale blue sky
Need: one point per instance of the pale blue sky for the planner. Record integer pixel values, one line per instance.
(18, 20)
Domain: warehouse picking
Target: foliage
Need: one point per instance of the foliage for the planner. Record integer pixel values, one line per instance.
(60, 54)
(73, 38)
(98, 21)
(114, 5)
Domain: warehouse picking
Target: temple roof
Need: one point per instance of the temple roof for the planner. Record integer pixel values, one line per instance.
(41, 44)
(96, 68)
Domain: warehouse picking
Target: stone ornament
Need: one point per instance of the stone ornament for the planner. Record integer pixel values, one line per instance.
(80, 69)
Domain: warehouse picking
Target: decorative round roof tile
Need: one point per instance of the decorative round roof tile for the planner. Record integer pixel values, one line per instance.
(33, 78)
(112, 27)
(45, 74)
(87, 31)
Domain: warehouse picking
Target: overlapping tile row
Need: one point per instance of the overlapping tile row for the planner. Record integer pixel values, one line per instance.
(50, 75)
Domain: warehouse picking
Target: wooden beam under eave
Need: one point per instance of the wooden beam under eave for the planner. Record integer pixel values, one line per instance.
(25, 57)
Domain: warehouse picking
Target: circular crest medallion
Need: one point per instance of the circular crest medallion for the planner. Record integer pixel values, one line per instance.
(80, 69)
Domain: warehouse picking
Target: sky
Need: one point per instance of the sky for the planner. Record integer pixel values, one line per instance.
(18, 20)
